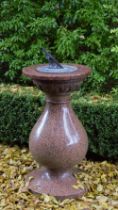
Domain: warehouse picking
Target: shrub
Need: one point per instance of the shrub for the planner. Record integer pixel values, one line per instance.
(20, 108)
(75, 31)
(100, 119)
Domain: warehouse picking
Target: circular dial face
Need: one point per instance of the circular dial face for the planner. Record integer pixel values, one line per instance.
(50, 69)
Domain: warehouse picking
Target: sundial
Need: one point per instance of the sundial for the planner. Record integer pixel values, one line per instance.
(58, 140)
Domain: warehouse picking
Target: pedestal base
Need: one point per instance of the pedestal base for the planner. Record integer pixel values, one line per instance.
(56, 184)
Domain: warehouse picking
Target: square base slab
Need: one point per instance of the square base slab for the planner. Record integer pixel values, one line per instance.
(59, 184)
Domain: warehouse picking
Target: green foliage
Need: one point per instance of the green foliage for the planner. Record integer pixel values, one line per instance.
(100, 119)
(20, 108)
(76, 31)
(18, 118)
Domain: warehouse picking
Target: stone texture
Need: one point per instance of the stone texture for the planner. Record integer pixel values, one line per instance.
(58, 140)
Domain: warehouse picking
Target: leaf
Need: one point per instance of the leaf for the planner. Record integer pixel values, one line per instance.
(100, 178)
(100, 188)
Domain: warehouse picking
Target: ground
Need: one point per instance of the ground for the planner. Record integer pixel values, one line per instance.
(100, 178)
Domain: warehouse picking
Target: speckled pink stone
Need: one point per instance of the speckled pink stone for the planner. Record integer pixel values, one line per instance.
(58, 141)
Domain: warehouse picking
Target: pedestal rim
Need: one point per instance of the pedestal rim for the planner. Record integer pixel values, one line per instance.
(82, 72)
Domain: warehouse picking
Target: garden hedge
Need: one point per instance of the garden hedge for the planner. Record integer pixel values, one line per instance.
(20, 107)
